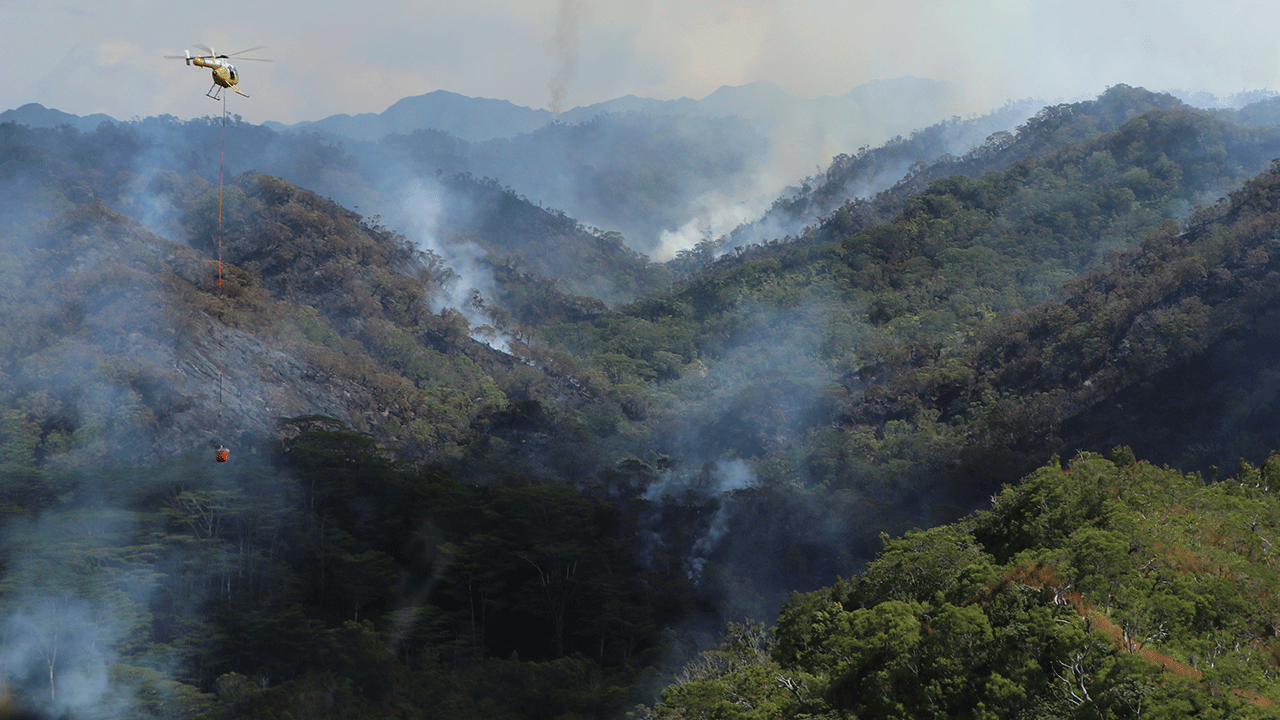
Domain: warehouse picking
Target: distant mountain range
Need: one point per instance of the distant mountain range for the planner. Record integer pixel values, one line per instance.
(897, 103)
(906, 100)
(691, 171)
(38, 116)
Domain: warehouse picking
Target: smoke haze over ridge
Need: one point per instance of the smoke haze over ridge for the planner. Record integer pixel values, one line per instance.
(333, 58)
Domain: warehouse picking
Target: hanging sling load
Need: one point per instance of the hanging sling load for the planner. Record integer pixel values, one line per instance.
(224, 77)
(221, 454)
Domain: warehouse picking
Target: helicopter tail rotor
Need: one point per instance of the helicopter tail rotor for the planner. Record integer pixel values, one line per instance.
(186, 55)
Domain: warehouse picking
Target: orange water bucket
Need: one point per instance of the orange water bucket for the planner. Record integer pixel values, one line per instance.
(222, 454)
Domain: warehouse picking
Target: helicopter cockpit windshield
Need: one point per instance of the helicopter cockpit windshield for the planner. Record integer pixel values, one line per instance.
(234, 76)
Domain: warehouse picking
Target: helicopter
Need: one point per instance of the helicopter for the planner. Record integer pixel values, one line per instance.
(224, 73)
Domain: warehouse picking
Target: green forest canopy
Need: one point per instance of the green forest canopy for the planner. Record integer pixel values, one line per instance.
(1104, 588)
(498, 545)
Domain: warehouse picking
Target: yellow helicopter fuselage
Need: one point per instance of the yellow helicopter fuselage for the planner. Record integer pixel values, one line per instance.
(224, 74)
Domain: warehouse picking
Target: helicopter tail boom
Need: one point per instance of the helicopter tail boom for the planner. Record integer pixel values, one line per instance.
(200, 61)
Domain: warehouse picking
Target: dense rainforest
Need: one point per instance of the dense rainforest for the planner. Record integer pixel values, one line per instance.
(815, 476)
(1102, 588)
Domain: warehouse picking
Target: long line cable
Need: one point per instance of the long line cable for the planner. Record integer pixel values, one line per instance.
(222, 164)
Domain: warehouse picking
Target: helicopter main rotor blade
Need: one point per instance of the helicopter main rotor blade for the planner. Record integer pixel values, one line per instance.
(260, 47)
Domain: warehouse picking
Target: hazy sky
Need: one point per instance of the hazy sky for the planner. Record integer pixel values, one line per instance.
(335, 56)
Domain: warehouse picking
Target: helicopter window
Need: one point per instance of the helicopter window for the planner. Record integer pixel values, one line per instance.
(232, 70)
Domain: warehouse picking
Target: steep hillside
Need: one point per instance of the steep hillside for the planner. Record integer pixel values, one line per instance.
(138, 168)
(119, 346)
(124, 344)
(1099, 589)
(127, 345)
(871, 345)
(871, 185)
(458, 490)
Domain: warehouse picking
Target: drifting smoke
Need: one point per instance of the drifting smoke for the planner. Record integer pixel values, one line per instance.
(41, 629)
(1234, 101)
(718, 217)
(563, 48)
(870, 171)
(718, 481)
(728, 476)
(720, 478)
(66, 619)
(421, 209)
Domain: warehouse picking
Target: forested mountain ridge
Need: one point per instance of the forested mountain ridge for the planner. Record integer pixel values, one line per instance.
(313, 311)
(1102, 588)
(861, 326)
(450, 507)
(878, 103)
(1171, 343)
(905, 167)
(138, 582)
(662, 174)
(139, 168)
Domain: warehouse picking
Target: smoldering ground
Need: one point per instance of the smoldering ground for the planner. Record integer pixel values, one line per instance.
(421, 203)
(758, 533)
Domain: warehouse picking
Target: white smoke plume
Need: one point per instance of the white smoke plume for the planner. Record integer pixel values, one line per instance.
(718, 480)
(719, 216)
(64, 619)
(421, 208)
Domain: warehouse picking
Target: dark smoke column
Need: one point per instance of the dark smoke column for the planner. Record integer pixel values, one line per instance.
(563, 46)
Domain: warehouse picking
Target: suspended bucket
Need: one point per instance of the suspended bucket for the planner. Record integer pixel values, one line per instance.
(222, 454)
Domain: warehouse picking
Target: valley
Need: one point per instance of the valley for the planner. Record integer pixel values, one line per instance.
(489, 459)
